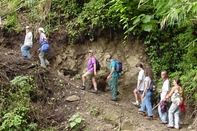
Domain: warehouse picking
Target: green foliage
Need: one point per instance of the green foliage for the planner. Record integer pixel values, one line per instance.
(75, 122)
(94, 111)
(15, 104)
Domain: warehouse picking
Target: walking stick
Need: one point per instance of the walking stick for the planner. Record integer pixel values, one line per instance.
(156, 106)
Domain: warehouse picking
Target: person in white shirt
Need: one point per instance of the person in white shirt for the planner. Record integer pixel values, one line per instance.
(163, 94)
(28, 42)
(140, 84)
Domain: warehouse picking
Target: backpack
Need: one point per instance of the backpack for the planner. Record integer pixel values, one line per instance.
(118, 67)
(152, 86)
(98, 66)
(176, 98)
(45, 47)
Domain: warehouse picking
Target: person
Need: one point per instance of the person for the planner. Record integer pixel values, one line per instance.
(174, 111)
(162, 108)
(91, 72)
(140, 84)
(42, 54)
(112, 78)
(28, 42)
(146, 103)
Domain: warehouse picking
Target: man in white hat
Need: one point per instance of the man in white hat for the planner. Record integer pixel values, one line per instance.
(28, 42)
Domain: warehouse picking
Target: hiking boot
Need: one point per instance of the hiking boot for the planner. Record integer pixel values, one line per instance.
(94, 91)
(83, 87)
(112, 99)
(136, 103)
(118, 93)
(149, 117)
(141, 113)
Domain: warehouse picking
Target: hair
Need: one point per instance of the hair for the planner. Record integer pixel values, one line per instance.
(165, 73)
(178, 81)
(148, 72)
(139, 65)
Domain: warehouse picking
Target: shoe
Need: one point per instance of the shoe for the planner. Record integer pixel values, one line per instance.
(94, 91)
(149, 117)
(136, 103)
(170, 126)
(141, 113)
(176, 128)
(161, 122)
(83, 87)
(112, 99)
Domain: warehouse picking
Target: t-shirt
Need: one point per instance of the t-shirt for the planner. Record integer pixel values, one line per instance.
(91, 63)
(147, 79)
(28, 39)
(42, 37)
(141, 77)
(165, 88)
(113, 64)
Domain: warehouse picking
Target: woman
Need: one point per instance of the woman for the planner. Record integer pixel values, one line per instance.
(42, 52)
(146, 103)
(176, 95)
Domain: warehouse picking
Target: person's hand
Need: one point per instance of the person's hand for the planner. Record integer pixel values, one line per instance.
(159, 90)
(143, 95)
(95, 73)
(38, 51)
(109, 77)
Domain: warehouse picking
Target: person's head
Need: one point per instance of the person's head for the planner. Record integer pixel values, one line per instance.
(90, 53)
(27, 29)
(108, 58)
(164, 75)
(139, 66)
(148, 72)
(177, 82)
(41, 30)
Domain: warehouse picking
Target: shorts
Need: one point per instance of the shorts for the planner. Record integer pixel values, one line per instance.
(89, 74)
(140, 92)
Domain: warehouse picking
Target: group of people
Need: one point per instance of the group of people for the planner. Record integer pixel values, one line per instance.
(28, 43)
(145, 77)
(91, 73)
(167, 116)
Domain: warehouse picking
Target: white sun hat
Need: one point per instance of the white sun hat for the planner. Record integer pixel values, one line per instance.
(41, 29)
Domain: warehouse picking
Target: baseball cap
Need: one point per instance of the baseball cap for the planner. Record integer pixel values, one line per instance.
(90, 51)
(41, 29)
(27, 27)
(107, 57)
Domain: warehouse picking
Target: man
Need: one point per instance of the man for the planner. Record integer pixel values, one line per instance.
(162, 110)
(140, 84)
(112, 78)
(43, 42)
(91, 72)
(28, 42)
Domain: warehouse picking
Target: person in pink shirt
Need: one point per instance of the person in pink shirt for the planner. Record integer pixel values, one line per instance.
(91, 72)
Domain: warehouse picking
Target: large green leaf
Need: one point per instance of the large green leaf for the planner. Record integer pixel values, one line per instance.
(146, 19)
(147, 27)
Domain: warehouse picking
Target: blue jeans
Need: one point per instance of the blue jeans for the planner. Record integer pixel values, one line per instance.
(163, 116)
(43, 60)
(173, 115)
(146, 103)
(26, 51)
(113, 84)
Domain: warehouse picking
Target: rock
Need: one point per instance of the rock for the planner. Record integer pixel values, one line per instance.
(72, 98)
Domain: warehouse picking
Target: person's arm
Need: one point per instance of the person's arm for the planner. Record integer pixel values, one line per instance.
(94, 68)
(139, 83)
(146, 87)
(170, 94)
(111, 72)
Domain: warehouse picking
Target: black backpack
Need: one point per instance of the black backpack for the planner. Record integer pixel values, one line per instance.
(152, 86)
(98, 66)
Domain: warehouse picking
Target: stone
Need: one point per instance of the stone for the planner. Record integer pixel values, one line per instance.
(72, 98)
